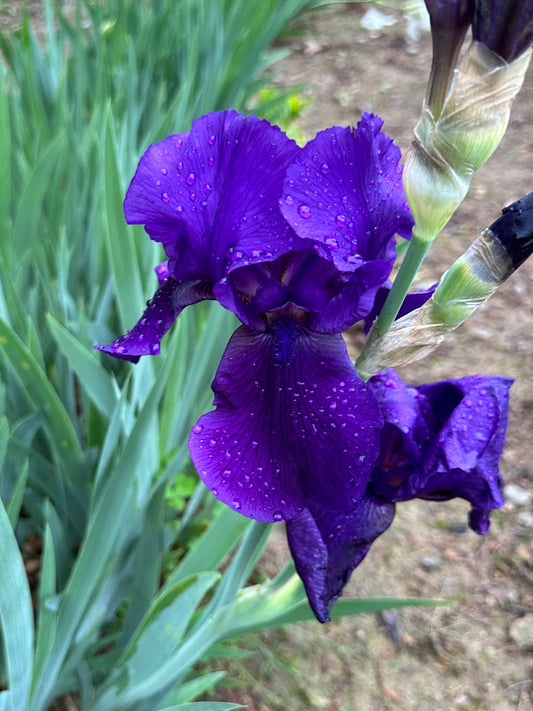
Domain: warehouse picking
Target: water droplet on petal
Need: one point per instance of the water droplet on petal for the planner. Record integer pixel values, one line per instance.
(212, 443)
(190, 179)
(165, 198)
(211, 140)
(289, 200)
(277, 516)
(324, 169)
(340, 220)
(351, 258)
(332, 242)
(197, 429)
(304, 211)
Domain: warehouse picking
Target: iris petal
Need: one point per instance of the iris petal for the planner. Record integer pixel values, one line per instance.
(345, 191)
(211, 196)
(411, 302)
(443, 440)
(327, 546)
(354, 301)
(294, 424)
(161, 311)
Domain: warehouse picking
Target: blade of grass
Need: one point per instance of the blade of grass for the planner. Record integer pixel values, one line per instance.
(16, 615)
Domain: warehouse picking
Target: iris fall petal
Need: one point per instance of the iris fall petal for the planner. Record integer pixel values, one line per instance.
(161, 311)
(327, 546)
(293, 425)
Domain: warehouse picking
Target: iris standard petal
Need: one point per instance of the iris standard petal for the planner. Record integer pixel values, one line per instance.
(451, 441)
(327, 546)
(161, 311)
(211, 196)
(344, 190)
(293, 424)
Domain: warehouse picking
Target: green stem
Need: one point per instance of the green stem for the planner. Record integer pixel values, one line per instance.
(414, 257)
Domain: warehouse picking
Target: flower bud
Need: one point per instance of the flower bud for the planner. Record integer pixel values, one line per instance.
(469, 282)
(450, 148)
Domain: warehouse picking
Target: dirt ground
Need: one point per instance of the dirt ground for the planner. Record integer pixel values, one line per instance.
(476, 654)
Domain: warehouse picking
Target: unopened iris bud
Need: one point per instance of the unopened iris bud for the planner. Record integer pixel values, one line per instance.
(469, 282)
(449, 149)
(449, 22)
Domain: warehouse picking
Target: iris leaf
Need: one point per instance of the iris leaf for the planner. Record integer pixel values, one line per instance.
(16, 615)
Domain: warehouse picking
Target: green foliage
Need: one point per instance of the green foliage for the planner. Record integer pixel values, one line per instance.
(128, 596)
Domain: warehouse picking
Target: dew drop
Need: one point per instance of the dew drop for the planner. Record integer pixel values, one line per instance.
(340, 220)
(351, 258)
(332, 242)
(324, 169)
(212, 443)
(236, 504)
(289, 200)
(164, 171)
(179, 209)
(197, 429)
(277, 516)
(211, 140)
(191, 178)
(304, 211)
(165, 198)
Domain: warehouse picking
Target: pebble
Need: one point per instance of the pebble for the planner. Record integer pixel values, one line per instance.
(525, 518)
(516, 495)
(431, 561)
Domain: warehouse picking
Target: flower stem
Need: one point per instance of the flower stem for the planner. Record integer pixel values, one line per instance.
(414, 257)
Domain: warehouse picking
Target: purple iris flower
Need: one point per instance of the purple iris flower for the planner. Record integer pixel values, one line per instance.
(293, 421)
(439, 441)
(296, 242)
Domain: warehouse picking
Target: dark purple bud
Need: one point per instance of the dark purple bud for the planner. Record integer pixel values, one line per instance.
(504, 26)
(514, 230)
(449, 22)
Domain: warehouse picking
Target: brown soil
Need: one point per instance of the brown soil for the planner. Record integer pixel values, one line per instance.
(474, 654)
